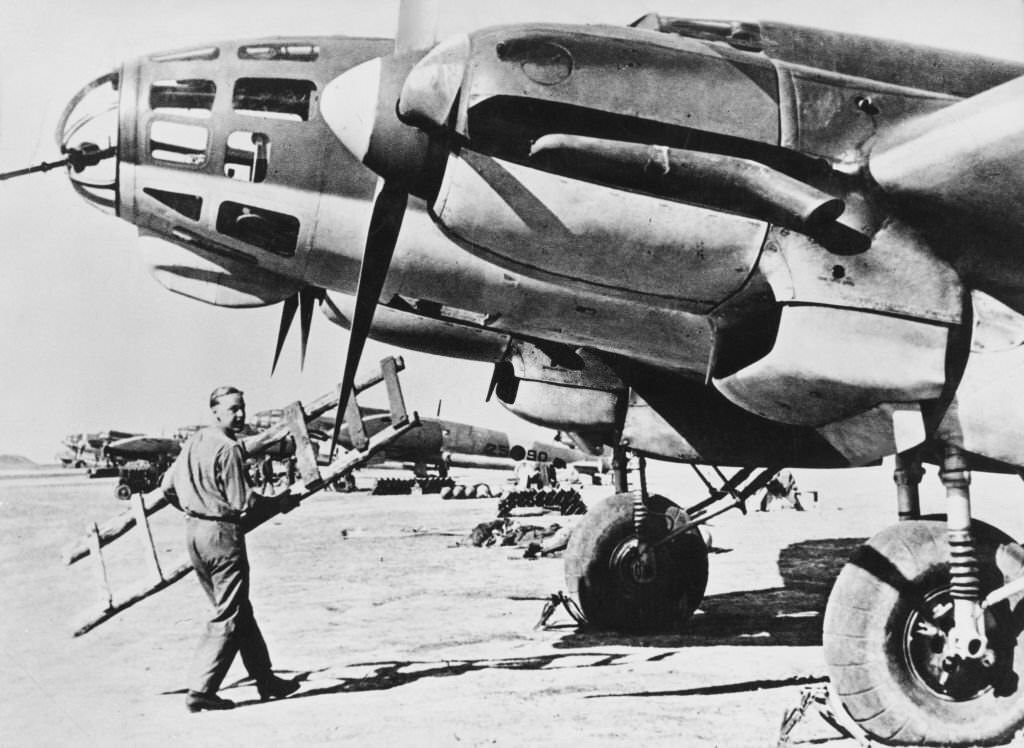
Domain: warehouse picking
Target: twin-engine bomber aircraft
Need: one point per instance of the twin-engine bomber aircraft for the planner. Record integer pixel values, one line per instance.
(438, 444)
(737, 243)
(140, 460)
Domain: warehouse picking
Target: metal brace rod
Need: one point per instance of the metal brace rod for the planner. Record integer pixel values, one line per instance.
(697, 515)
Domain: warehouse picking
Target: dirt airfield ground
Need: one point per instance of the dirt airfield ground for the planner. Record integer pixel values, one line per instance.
(403, 638)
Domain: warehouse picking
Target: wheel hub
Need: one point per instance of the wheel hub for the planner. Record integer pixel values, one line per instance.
(633, 564)
(927, 646)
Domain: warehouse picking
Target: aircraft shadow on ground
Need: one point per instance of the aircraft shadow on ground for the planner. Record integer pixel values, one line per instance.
(789, 615)
(388, 675)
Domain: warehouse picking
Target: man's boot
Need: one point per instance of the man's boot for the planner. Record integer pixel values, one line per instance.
(276, 688)
(199, 702)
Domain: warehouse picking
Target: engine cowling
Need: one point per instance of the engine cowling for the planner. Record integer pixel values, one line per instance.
(568, 391)
(499, 90)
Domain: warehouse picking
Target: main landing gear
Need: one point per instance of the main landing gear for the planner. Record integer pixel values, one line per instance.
(637, 563)
(924, 628)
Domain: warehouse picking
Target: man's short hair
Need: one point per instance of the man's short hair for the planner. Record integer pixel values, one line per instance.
(220, 392)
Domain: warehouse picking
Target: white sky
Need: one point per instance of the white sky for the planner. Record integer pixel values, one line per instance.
(88, 341)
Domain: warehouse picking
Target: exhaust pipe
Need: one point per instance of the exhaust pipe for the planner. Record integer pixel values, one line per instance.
(712, 180)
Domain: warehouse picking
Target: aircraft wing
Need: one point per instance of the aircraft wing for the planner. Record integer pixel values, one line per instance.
(144, 446)
(966, 160)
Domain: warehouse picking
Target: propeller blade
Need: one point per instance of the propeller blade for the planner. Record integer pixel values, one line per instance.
(417, 25)
(307, 300)
(492, 384)
(287, 315)
(385, 223)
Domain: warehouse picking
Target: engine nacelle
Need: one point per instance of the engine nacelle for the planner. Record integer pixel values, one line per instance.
(521, 81)
(577, 234)
(561, 389)
(511, 85)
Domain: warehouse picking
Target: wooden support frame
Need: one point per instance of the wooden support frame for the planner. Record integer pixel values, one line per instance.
(305, 457)
(112, 529)
(295, 423)
(354, 422)
(101, 566)
(149, 548)
(395, 399)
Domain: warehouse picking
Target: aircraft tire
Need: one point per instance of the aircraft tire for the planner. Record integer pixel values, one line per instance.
(884, 625)
(600, 574)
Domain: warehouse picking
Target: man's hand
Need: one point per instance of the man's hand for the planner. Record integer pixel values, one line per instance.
(168, 493)
(291, 497)
(286, 502)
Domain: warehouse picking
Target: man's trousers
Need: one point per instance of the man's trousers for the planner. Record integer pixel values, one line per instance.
(217, 551)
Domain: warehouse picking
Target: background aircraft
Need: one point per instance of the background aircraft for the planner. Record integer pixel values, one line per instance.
(804, 328)
(88, 449)
(438, 444)
(140, 460)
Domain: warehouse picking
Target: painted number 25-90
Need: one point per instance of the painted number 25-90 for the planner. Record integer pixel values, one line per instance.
(516, 452)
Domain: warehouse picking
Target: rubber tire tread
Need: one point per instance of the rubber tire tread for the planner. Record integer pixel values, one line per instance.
(863, 635)
(663, 605)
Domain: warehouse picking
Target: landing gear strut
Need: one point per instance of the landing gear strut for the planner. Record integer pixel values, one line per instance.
(915, 652)
(907, 476)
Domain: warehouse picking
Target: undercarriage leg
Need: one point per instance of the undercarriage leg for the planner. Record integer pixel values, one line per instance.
(640, 504)
(907, 475)
(644, 563)
(620, 469)
(967, 638)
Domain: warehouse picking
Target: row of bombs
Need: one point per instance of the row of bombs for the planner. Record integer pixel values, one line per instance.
(477, 491)
(566, 501)
(399, 486)
(446, 487)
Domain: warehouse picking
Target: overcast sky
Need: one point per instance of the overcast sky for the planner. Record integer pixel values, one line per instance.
(88, 341)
